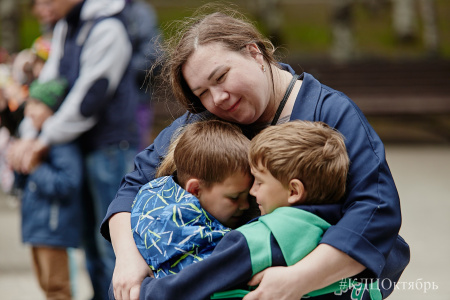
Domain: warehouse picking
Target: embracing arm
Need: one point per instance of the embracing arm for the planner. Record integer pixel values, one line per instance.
(145, 164)
(315, 272)
(228, 266)
(131, 268)
(371, 217)
(371, 211)
(368, 230)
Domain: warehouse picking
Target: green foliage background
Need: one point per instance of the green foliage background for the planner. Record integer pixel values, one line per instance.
(306, 28)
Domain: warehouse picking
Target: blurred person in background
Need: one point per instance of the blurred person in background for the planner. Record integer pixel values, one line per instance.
(142, 27)
(51, 197)
(45, 16)
(16, 73)
(92, 51)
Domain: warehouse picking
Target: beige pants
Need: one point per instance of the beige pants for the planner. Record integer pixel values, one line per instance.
(52, 270)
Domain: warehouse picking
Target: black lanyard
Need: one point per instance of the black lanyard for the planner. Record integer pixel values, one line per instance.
(284, 100)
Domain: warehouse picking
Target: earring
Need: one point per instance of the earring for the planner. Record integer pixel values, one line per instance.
(263, 68)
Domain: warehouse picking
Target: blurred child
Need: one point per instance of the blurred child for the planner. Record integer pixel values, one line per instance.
(296, 165)
(178, 219)
(51, 201)
(15, 80)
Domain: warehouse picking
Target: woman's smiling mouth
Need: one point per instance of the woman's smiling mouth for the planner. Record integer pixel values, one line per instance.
(234, 107)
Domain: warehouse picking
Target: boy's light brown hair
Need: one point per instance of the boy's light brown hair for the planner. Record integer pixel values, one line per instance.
(311, 152)
(210, 151)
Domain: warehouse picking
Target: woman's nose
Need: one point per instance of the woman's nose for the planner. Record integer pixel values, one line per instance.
(219, 96)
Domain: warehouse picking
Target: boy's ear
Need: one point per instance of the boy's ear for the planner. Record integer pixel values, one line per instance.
(297, 192)
(193, 186)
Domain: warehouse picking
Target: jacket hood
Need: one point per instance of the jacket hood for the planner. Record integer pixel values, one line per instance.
(93, 9)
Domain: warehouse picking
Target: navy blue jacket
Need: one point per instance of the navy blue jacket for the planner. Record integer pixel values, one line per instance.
(51, 201)
(230, 266)
(371, 215)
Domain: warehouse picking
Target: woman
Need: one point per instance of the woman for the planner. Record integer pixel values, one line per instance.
(220, 64)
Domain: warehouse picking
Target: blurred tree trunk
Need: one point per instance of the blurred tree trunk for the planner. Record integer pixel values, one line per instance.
(430, 29)
(269, 15)
(343, 48)
(404, 17)
(9, 19)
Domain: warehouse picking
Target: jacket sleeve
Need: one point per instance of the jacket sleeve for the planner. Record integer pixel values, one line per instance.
(103, 61)
(61, 174)
(227, 268)
(371, 211)
(145, 164)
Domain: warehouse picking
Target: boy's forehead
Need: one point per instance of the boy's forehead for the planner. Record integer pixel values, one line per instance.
(238, 180)
(258, 168)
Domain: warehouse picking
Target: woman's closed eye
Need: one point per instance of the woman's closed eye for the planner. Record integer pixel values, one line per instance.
(221, 78)
(202, 94)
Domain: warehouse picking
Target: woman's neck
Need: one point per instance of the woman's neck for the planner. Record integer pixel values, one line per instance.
(281, 80)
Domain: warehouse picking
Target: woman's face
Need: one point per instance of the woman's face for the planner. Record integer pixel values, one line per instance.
(231, 85)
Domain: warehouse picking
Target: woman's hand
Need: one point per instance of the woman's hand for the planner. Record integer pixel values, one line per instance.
(281, 283)
(322, 267)
(129, 273)
(131, 268)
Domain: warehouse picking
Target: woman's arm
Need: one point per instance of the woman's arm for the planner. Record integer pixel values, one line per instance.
(371, 209)
(228, 267)
(311, 273)
(145, 164)
(131, 268)
(369, 227)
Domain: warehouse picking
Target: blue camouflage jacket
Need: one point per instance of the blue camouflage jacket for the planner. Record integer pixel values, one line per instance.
(170, 228)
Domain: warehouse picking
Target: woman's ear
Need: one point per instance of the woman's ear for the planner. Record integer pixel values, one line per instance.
(255, 52)
(193, 186)
(297, 192)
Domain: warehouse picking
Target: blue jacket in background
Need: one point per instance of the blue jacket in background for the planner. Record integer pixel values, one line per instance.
(51, 199)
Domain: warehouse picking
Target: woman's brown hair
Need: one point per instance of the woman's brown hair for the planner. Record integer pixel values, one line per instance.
(228, 27)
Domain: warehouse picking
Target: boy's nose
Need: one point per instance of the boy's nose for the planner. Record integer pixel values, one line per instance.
(253, 190)
(244, 204)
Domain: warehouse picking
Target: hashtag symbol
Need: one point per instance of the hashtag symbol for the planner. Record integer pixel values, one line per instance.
(343, 284)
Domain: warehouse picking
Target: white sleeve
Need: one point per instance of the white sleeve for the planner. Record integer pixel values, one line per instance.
(105, 54)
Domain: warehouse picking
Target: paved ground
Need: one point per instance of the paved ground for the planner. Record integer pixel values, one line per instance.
(422, 176)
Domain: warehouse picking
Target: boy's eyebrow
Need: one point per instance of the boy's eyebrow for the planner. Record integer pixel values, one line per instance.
(239, 192)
